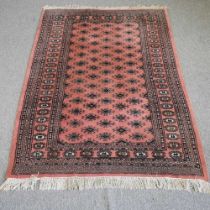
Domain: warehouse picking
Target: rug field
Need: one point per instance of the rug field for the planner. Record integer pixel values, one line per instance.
(104, 105)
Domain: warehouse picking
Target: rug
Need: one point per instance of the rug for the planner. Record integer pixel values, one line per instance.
(104, 105)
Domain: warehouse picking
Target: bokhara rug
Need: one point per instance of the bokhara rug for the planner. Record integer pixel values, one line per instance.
(104, 105)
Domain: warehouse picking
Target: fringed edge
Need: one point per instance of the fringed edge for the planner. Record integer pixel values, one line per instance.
(47, 7)
(81, 183)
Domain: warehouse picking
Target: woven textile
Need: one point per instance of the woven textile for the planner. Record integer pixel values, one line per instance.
(103, 95)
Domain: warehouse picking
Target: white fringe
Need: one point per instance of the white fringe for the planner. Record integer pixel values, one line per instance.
(100, 182)
(47, 7)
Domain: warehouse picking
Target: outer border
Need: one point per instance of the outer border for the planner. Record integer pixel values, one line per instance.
(181, 77)
(21, 100)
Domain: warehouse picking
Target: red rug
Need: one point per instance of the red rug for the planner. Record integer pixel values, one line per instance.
(104, 96)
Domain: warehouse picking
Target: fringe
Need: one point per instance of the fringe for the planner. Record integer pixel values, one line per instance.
(47, 7)
(121, 182)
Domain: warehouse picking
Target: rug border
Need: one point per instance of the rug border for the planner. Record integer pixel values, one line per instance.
(192, 114)
(21, 99)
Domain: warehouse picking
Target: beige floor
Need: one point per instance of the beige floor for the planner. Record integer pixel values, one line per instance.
(191, 25)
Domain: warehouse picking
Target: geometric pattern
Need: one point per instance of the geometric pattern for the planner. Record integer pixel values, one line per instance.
(104, 96)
